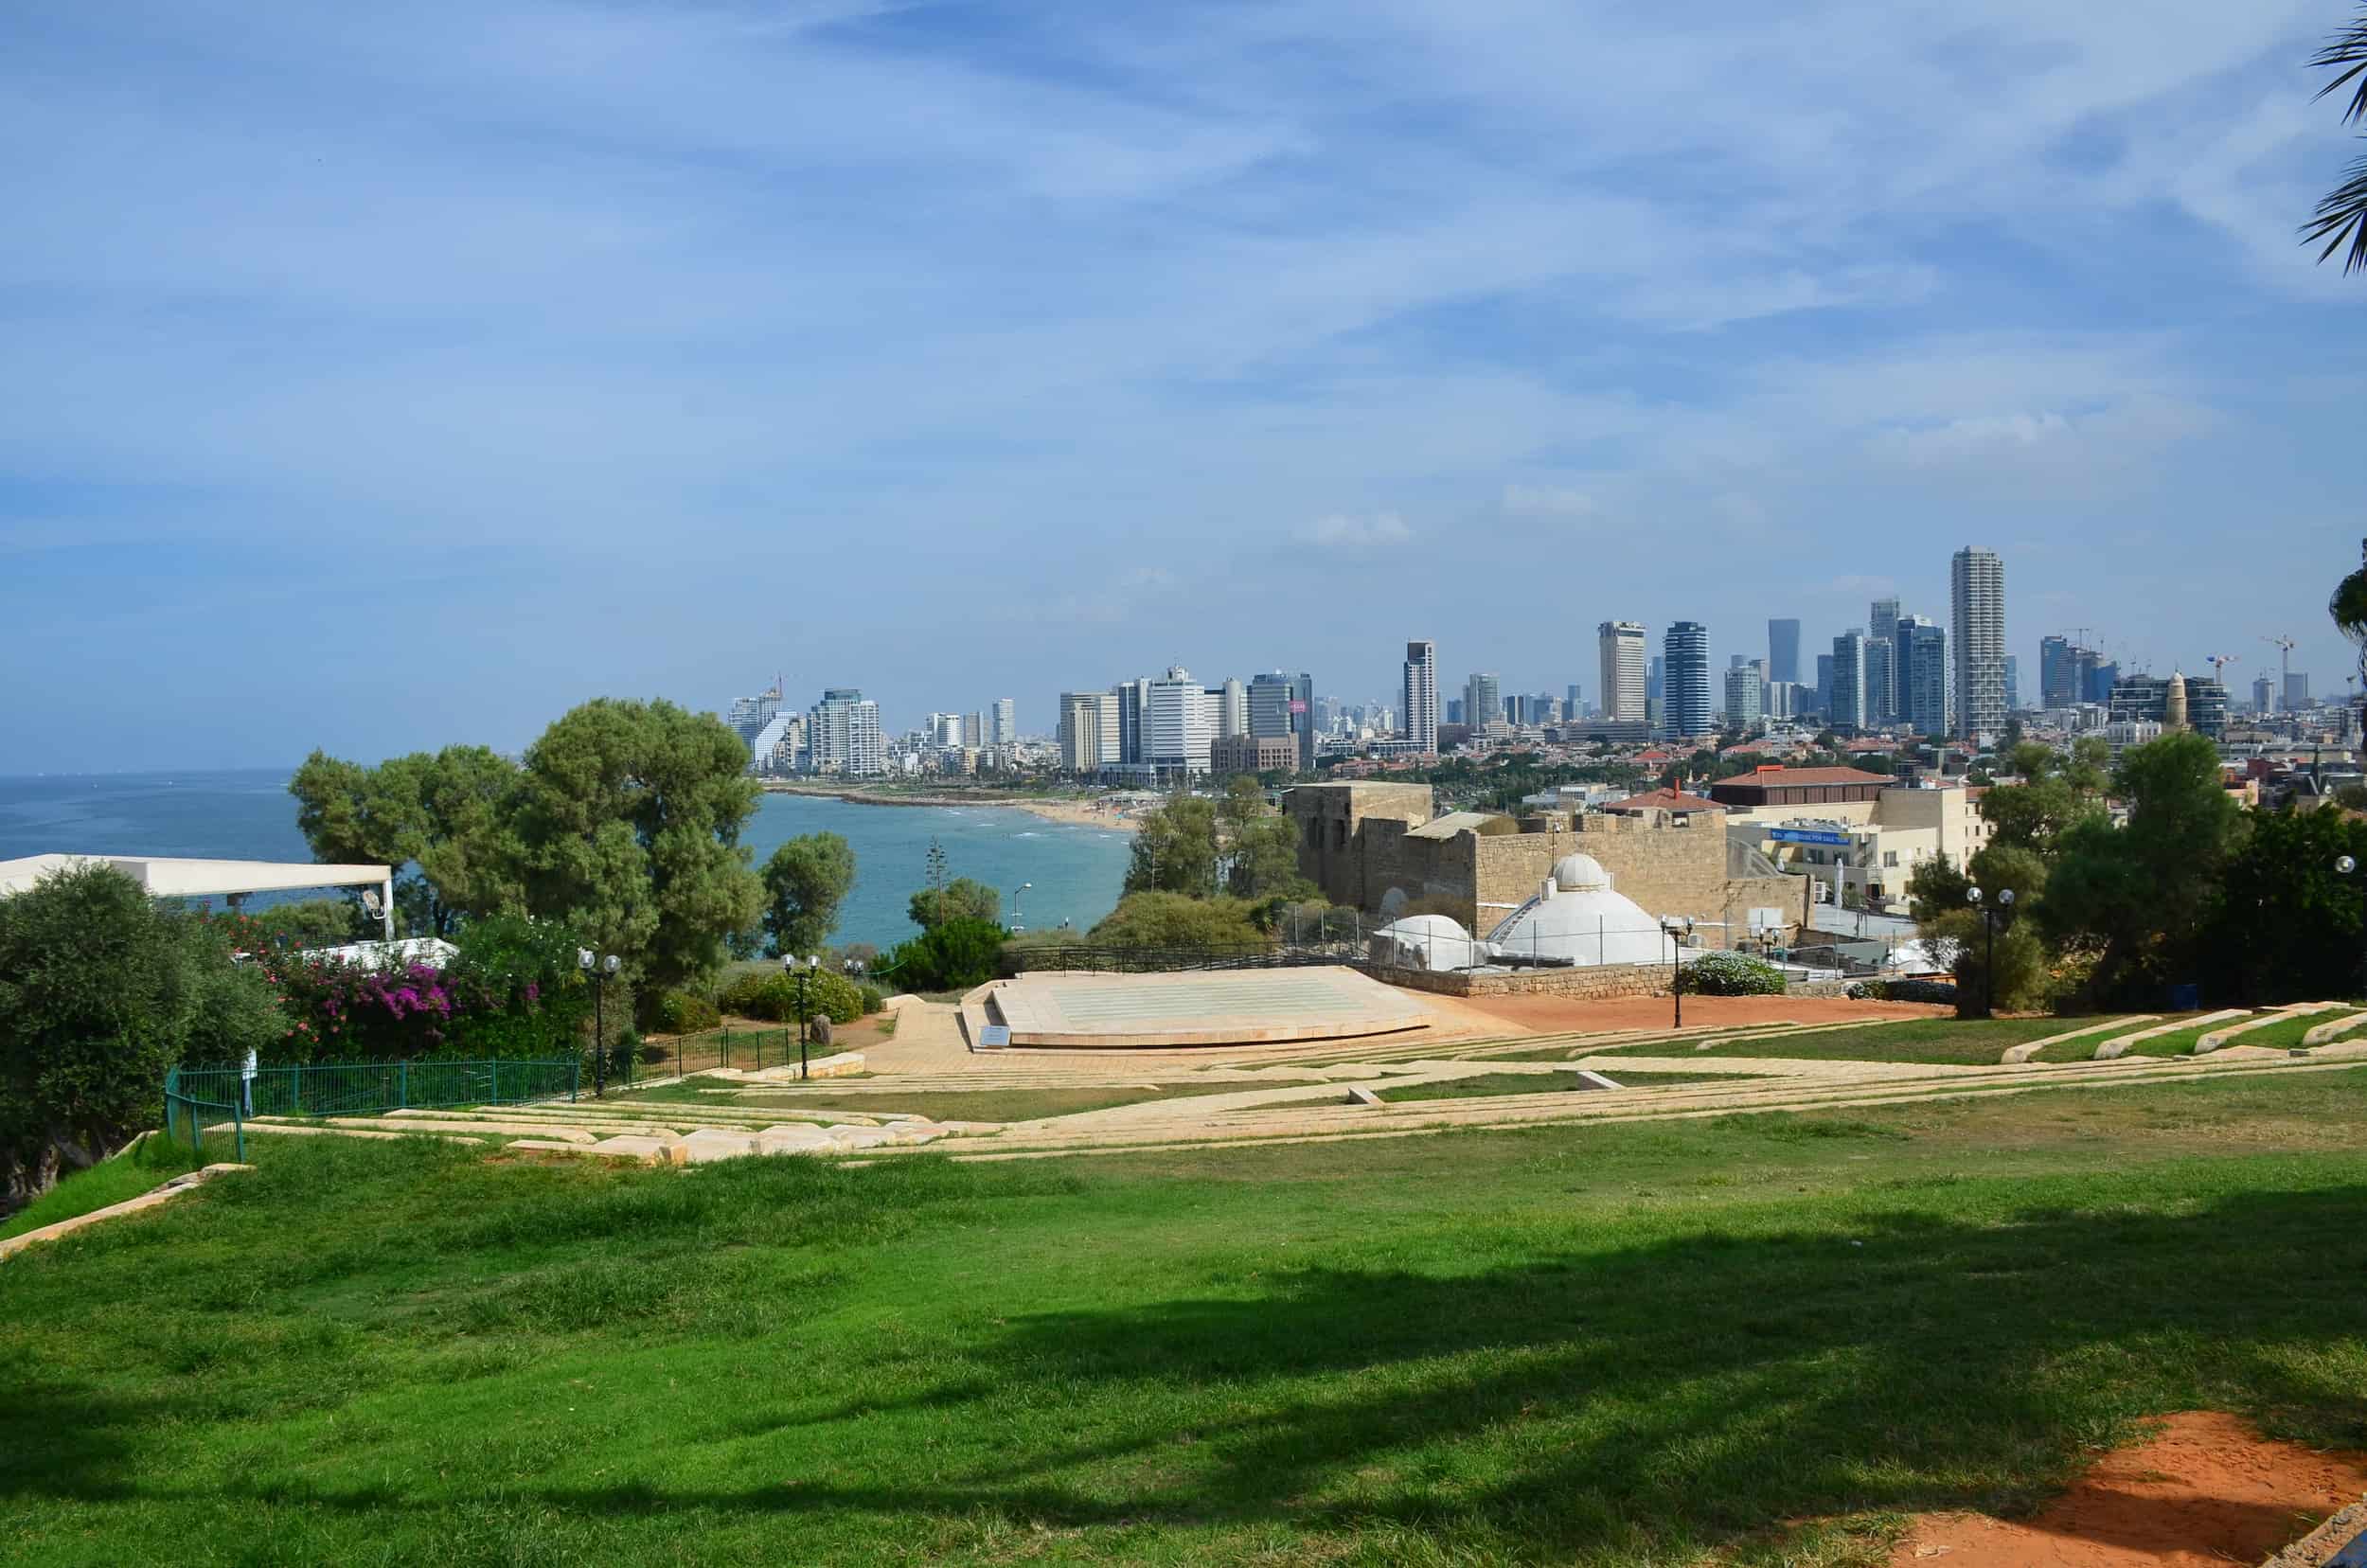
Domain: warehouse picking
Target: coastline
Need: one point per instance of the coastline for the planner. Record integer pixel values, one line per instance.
(1076, 813)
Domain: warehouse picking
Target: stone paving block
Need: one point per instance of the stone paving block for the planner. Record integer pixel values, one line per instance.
(1361, 1095)
(627, 1147)
(551, 1146)
(846, 1136)
(795, 1138)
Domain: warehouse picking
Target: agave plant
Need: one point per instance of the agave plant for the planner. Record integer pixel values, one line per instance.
(2344, 213)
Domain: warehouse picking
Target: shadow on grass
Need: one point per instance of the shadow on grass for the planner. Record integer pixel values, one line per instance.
(1655, 1400)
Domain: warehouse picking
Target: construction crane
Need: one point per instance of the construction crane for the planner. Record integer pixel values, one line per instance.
(2285, 647)
(2219, 663)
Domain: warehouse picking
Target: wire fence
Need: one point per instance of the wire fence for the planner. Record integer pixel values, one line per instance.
(751, 1050)
(197, 1099)
(1101, 959)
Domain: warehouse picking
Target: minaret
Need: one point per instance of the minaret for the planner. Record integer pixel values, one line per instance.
(2174, 705)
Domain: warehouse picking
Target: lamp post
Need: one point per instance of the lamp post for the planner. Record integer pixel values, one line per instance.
(598, 971)
(1990, 914)
(1015, 912)
(1672, 924)
(2345, 865)
(802, 970)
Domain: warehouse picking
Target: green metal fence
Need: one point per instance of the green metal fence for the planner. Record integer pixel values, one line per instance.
(198, 1098)
(188, 1115)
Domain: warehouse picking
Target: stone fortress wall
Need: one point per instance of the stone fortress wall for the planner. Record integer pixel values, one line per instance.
(1358, 842)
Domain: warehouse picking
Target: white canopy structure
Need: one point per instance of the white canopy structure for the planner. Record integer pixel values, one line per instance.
(173, 877)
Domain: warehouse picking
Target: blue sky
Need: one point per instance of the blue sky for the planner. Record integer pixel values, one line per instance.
(379, 376)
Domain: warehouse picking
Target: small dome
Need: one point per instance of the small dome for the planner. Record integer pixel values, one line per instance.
(1580, 874)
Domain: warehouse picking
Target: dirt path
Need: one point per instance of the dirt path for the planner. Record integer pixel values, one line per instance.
(1553, 1014)
(2205, 1492)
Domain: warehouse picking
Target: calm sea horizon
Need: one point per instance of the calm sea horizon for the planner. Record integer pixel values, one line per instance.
(247, 814)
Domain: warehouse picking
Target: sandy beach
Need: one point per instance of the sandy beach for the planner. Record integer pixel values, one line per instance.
(1114, 815)
(1082, 814)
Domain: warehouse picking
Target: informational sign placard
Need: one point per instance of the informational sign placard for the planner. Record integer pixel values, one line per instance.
(1808, 835)
(994, 1036)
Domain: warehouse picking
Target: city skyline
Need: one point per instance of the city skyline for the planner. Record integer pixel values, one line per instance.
(525, 354)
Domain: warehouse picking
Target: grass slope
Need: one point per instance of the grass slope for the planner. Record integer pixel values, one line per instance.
(996, 1105)
(143, 1169)
(1601, 1345)
(1536, 1084)
(1960, 1041)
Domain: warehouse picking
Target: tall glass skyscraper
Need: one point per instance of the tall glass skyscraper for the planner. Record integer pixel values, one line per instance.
(1686, 679)
(1419, 722)
(1783, 650)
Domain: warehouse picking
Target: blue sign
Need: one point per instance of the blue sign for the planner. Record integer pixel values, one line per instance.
(1809, 835)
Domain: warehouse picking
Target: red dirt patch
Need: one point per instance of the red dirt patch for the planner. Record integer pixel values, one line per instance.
(2206, 1491)
(1553, 1014)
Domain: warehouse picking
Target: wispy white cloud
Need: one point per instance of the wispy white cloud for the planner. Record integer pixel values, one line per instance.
(1339, 531)
(970, 297)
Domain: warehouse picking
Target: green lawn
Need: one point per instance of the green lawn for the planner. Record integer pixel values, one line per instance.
(142, 1170)
(2284, 1036)
(1973, 1042)
(1536, 1083)
(994, 1105)
(1757, 1339)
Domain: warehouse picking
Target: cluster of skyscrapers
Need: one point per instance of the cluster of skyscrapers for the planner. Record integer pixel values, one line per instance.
(1900, 672)
(1173, 726)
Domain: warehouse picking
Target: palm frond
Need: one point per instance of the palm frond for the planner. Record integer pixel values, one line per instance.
(2343, 215)
(2349, 606)
(2347, 49)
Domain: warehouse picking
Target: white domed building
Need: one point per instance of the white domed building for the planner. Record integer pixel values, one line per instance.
(1426, 942)
(1577, 916)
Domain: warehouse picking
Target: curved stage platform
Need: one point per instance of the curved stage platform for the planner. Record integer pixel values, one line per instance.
(1061, 1011)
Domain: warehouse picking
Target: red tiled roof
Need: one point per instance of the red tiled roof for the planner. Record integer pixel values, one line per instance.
(1810, 776)
(1664, 800)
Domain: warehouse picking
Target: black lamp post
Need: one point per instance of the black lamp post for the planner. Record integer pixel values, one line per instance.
(598, 971)
(1990, 913)
(1672, 925)
(802, 970)
(2345, 865)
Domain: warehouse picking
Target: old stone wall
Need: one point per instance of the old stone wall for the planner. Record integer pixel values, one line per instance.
(1330, 819)
(1359, 841)
(1586, 984)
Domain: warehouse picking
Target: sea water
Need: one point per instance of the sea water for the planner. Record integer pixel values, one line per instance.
(248, 814)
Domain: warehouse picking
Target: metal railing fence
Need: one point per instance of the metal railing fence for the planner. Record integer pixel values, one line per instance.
(196, 1097)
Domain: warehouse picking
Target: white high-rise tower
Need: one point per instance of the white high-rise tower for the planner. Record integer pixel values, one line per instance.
(1977, 588)
(1622, 644)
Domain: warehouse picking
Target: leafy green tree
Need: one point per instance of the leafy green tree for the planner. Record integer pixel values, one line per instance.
(962, 898)
(628, 818)
(1961, 939)
(1259, 846)
(442, 820)
(1176, 848)
(804, 882)
(100, 991)
(954, 955)
(2289, 926)
(1173, 919)
(1934, 887)
(2137, 895)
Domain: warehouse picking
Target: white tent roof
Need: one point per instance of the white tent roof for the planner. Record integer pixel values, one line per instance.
(172, 877)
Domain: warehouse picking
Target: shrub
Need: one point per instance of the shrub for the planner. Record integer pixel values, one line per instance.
(1867, 990)
(1731, 974)
(100, 991)
(678, 1012)
(1940, 992)
(1173, 919)
(873, 998)
(953, 956)
(772, 996)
